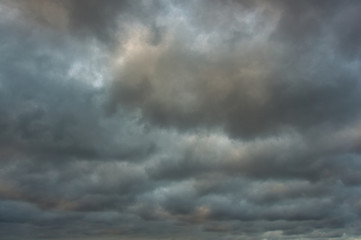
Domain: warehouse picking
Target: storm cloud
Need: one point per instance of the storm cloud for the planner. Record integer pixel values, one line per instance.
(180, 119)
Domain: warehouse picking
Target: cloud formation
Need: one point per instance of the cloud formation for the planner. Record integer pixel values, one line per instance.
(180, 119)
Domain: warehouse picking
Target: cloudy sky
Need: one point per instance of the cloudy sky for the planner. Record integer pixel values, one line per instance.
(180, 120)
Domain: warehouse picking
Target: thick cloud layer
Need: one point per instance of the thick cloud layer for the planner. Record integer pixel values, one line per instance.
(180, 119)
(255, 85)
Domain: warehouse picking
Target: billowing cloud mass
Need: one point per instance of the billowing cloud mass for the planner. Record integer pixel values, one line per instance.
(196, 119)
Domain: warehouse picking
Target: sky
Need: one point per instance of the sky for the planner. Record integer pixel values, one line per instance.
(180, 120)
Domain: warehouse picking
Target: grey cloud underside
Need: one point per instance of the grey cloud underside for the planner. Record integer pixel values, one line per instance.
(100, 20)
(252, 87)
(180, 119)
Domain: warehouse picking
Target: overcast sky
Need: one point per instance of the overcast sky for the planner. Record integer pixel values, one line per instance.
(180, 120)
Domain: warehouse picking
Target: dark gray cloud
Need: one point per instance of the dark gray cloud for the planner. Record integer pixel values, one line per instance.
(180, 119)
(91, 19)
(257, 86)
